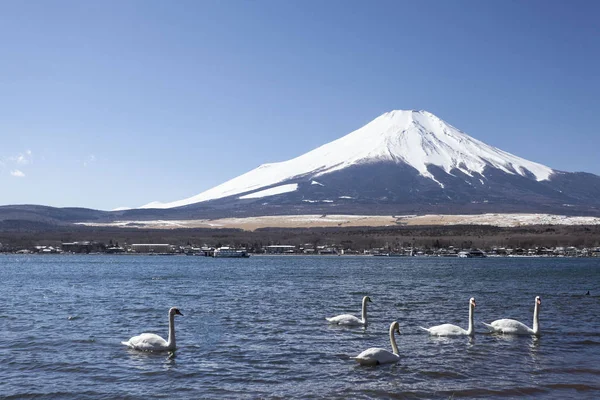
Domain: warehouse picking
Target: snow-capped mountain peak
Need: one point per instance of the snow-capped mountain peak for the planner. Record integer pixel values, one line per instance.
(419, 139)
(415, 138)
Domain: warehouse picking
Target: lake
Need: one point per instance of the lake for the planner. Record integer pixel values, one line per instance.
(255, 328)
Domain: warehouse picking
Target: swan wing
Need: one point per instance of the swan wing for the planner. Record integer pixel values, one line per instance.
(510, 326)
(446, 330)
(345, 319)
(375, 356)
(490, 327)
(146, 342)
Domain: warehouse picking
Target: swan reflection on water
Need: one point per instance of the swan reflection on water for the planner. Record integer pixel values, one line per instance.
(140, 359)
(441, 340)
(534, 346)
(348, 328)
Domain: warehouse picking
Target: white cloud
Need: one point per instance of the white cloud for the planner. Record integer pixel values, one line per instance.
(89, 160)
(22, 158)
(18, 160)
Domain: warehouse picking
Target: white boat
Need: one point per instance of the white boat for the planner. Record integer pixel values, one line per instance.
(230, 253)
(472, 254)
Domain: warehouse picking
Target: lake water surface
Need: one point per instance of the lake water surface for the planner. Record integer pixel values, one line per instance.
(255, 328)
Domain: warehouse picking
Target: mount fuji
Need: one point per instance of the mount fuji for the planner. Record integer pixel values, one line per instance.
(401, 162)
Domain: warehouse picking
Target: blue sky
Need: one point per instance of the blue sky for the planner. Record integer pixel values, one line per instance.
(119, 103)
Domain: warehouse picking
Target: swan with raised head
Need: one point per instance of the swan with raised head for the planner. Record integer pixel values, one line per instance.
(453, 330)
(152, 342)
(514, 327)
(377, 355)
(351, 320)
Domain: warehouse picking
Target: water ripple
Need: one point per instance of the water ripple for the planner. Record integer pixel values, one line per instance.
(256, 328)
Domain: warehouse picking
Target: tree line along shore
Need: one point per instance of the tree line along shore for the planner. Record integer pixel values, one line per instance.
(354, 240)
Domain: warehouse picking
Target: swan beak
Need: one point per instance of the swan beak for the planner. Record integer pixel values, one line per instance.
(539, 301)
(474, 304)
(178, 312)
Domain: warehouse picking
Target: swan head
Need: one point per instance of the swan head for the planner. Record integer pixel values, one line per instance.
(538, 300)
(395, 327)
(472, 302)
(367, 299)
(175, 311)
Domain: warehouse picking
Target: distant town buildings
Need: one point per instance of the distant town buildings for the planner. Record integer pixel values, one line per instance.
(92, 247)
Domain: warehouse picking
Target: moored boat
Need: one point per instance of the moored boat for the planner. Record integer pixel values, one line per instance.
(230, 253)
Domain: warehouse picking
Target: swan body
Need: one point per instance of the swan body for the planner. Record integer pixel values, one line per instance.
(148, 342)
(446, 330)
(377, 355)
(351, 320)
(453, 330)
(514, 327)
(510, 327)
(153, 342)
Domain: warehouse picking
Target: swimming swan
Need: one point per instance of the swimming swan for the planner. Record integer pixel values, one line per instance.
(376, 355)
(152, 342)
(513, 327)
(453, 330)
(347, 319)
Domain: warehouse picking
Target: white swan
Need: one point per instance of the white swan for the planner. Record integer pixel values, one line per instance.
(453, 330)
(348, 319)
(152, 342)
(376, 355)
(513, 327)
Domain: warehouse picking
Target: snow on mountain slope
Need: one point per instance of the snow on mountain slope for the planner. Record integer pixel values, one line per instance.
(271, 191)
(416, 138)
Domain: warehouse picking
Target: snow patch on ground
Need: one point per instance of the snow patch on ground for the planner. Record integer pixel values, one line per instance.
(303, 221)
(503, 220)
(317, 201)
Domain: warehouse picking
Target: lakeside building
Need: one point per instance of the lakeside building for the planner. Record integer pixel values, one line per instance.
(280, 249)
(152, 248)
(85, 246)
(47, 250)
(115, 250)
(76, 247)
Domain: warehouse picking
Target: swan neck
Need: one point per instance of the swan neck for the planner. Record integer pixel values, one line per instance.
(470, 329)
(364, 311)
(393, 341)
(536, 319)
(171, 339)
